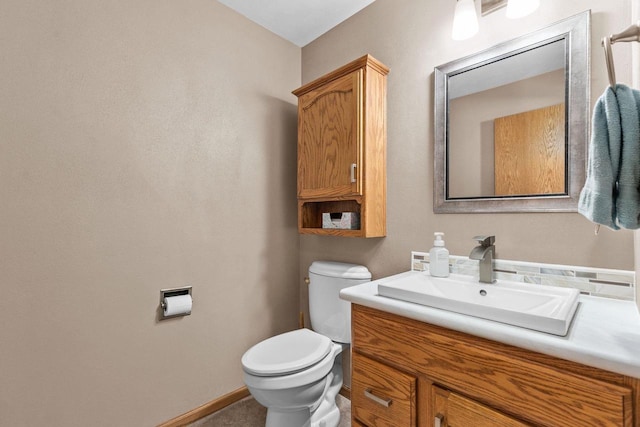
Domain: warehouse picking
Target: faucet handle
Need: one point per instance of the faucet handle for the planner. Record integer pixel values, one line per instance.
(485, 240)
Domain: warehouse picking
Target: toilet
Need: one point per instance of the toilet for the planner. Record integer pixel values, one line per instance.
(298, 374)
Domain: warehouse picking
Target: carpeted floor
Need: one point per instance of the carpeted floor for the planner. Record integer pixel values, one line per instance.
(249, 413)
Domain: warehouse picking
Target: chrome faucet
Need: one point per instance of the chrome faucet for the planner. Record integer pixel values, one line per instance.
(485, 252)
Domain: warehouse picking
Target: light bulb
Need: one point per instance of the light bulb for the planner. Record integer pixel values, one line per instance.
(465, 20)
(519, 8)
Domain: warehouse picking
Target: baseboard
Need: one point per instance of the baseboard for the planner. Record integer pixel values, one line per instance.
(207, 409)
(221, 403)
(346, 392)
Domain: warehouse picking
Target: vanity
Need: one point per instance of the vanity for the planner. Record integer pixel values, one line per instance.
(414, 365)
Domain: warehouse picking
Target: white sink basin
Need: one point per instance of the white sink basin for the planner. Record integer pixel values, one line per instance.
(542, 308)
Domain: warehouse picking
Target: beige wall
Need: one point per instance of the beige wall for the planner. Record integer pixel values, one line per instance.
(412, 37)
(143, 145)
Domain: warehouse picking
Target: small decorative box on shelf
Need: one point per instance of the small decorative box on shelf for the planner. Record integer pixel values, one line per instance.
(341, 220)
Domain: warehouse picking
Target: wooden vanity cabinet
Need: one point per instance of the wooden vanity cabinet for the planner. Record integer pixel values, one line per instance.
(433, 376)
(342, 148)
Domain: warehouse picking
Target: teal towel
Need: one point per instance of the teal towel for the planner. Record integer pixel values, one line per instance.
(628, 201)
(610, 196)
(597, 198)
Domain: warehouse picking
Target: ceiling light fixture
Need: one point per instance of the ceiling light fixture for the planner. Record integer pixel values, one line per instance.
(519, 8)
(465, 20)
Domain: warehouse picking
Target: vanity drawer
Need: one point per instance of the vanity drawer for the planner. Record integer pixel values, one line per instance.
(382, 396)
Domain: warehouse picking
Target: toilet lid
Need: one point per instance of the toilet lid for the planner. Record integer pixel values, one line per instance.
(286, 353)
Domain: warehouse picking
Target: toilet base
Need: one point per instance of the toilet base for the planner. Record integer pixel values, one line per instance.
(324, 413)
(278, 418)
(327, 414)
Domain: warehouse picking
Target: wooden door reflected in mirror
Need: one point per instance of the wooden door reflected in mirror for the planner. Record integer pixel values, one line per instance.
(529, 152)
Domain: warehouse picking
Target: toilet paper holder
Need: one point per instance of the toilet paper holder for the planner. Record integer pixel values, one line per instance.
(172, 292)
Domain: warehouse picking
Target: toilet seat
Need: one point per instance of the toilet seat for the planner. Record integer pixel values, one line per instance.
(286, 353)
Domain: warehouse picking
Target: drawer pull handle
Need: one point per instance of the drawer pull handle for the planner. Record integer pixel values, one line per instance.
(438, 420)
(380, 401)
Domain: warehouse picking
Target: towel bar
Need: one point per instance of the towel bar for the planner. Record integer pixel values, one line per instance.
(631, 34)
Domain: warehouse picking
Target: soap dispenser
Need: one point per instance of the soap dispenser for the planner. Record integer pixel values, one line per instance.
(439, 257)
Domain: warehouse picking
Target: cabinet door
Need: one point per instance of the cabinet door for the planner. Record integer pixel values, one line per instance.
(330, 139)
(453, 410)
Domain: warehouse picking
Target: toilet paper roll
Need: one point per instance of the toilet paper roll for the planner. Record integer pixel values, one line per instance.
(179, 304)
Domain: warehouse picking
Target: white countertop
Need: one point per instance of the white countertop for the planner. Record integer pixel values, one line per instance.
(605, 333)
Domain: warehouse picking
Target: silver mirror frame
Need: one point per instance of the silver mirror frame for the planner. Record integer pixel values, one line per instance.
(576, 30)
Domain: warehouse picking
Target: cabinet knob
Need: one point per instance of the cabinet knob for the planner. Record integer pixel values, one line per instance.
(437, 422)
(379, 400)
(353, 172)
(306, 281)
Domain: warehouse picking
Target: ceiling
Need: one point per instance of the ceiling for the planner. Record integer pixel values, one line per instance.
(299, 21)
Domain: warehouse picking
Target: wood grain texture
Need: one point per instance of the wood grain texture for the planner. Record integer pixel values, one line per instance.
(634, 383)
(530, 152)
(535, 388)
(375, 153)
(356, 423)
(458, 411)
(310, 216)
(386, 383)
(329, 138)
(342, 122)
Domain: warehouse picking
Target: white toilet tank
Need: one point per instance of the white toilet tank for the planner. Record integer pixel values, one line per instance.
(331, 316)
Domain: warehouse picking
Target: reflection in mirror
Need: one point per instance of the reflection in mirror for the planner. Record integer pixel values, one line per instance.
(511, 124)
(513, 139)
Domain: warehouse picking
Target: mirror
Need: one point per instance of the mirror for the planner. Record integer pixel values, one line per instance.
(511, 124)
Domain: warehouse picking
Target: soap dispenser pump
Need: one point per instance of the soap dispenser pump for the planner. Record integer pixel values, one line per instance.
(439, 257)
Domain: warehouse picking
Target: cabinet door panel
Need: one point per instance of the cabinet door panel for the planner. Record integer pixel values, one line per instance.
(458, 411)
(330, 140)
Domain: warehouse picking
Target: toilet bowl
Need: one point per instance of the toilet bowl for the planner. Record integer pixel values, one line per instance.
(297, 375)
(293, 385)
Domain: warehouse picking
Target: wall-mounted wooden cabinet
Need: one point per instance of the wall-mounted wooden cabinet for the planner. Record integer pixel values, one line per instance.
(409, 373)
(342, 148)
